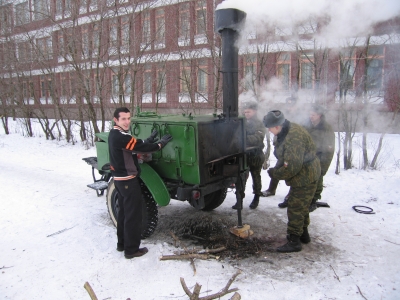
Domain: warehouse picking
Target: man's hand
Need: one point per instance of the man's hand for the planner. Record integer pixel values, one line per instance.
(164, 140)
(152, 137)
(271, 172)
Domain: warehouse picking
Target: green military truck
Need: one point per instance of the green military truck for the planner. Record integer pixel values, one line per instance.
(205, 157)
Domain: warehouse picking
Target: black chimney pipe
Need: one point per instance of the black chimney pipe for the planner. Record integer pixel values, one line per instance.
(228, 23)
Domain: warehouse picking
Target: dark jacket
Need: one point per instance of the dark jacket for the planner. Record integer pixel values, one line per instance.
(123, 162)
(255, 134)
(324, 139)
(298, 163)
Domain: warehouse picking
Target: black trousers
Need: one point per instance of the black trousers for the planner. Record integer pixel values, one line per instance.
(129, 223)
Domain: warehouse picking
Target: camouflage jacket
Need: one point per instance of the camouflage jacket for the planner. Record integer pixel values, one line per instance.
(324, 140)
(298, 163)
(255, 134)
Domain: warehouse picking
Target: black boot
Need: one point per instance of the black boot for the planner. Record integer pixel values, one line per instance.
(254, 203)
(236, 206)
(293, 245)
(268, 193)
(284, 204)
(313, 206)
(305, 237)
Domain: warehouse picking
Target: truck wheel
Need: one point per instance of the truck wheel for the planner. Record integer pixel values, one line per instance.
(149, 208)
(214, 199)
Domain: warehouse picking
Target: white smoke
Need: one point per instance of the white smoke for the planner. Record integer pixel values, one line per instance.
(346, 18)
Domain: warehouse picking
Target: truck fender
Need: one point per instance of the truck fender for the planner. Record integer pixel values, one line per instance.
(155, 185)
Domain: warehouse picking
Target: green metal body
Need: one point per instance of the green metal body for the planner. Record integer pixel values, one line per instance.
(206, 154)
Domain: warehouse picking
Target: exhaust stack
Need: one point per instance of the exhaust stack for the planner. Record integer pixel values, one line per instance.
(228, 23)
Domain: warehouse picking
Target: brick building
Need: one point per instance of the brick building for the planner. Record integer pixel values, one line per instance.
(84, 57)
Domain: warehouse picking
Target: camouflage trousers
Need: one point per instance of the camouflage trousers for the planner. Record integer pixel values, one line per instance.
(298, 208)
(255, 163)
(320, 187)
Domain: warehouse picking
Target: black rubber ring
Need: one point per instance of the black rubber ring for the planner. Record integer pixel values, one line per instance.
(370, 211)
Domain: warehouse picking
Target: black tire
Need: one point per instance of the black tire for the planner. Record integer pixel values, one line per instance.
(149, 208)
(215, 199)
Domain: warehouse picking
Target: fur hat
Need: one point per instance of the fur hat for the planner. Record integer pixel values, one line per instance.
(318, 109)
(250, 105)
(273, 118)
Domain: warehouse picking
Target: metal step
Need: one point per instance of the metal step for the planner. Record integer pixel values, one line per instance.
(91, 161)
(100, 185)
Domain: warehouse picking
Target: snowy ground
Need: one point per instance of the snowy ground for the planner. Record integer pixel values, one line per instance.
(43, 192)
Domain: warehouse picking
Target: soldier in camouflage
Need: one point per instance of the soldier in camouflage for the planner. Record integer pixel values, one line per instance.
(324, 139)
(255, 134)
(299, 166)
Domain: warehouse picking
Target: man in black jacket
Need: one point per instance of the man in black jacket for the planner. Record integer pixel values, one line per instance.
(126, 171)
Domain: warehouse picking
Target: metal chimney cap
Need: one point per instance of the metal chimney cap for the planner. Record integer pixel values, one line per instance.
(229, 18)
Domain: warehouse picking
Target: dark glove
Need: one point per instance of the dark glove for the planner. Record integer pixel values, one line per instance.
(271, 172)
(152, 137)
(164, 140)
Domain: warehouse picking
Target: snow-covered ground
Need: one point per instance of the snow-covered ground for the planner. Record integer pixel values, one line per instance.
(56, 235)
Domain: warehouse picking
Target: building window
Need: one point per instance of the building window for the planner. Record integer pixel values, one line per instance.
(115, 85)
(127, 84)
(202, 77)
(374, 74)
(146, 28)
(374, 65)
(201, 17)
(111, 2)
(85, 42)
(40, 9)
(24, 52)
(160, 26)
(283, 70)
(114, 33)
(147, 80)
(161, 80)
(45, 48)
(284, 75)
(65, 88)
(5, 19)
(59, 7)
(184, 21)
(61, 44)
(45, 89)
(250, 72)
(95, 40)
(97, 88)
(306, 74)
(71, 43)
(22, 13)
(63, 7)
(347, 69)
(125, 32)
(83, 5)
(185, 77)
(93, 3)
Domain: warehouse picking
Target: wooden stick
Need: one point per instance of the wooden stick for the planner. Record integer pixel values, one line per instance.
(361, 292)
(90, 291)
(219, 294)
(236, 296)
(186, 256)
(223, 292)
(216, 250)
(392, 242)
(4, 267)
(196, 292)
(60, 231)
(185, 288)
(193, 266)
(337, 277)
(176, 239)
